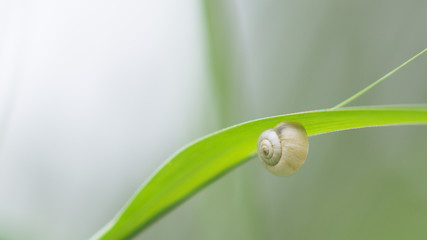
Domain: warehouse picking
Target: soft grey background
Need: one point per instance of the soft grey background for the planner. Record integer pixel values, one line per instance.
(95, 95)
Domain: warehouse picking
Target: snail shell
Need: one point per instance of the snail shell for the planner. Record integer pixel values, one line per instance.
(283, 150)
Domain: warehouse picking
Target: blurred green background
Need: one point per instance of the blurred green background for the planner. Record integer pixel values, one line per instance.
(232, 61)
(273, 57)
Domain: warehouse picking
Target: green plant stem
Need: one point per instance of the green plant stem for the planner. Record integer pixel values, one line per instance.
(203, 161)
(358, 94)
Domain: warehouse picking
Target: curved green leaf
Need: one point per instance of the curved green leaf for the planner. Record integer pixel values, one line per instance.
(204, 160)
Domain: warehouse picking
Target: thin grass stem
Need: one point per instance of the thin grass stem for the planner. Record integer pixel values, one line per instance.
(358, 94)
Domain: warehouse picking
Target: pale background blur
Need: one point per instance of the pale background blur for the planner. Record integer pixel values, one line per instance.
(95, 95)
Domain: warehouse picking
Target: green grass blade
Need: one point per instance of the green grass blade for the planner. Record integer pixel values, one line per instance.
(204, 160)
(361, 92)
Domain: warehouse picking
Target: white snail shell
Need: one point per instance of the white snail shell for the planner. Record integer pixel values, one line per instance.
(283, 150)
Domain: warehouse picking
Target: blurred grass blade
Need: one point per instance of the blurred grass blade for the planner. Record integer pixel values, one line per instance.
(204, 160)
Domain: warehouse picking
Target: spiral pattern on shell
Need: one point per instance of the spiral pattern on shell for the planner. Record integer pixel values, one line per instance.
(283, 150)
